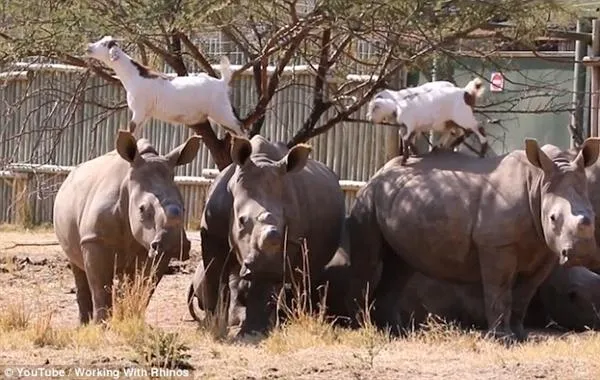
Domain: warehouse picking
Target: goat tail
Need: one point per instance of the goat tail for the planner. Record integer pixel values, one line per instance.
(475, 87)
(225, 70)
(371, 108)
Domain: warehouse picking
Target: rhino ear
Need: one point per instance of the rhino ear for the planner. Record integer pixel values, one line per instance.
(537, 157)
(126, 146)
(589, 152)
(296, 158)
(184, 153)
(241, 149)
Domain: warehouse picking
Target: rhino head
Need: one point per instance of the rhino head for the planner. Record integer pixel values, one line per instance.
(153, 202)
(571, 297)
(566, 213)
(258, 223)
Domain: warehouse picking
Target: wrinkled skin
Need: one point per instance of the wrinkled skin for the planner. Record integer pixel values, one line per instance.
(502, 222)
(569, 298)
(121, 212)
(266, 203)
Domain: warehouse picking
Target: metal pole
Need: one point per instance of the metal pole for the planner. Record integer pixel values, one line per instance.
(579, 74)
(595, 79)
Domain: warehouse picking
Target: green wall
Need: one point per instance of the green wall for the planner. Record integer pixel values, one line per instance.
(531, 85)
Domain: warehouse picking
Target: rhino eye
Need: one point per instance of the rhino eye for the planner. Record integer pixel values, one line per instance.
(145, 211)
(553, 217)
(242, 220)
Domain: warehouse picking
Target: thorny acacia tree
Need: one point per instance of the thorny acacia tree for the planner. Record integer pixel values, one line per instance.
(324, 34)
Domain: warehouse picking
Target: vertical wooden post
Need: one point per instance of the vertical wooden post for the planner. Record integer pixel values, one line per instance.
(20, 200)
(579, 74)
(595, 79)
(392, 140)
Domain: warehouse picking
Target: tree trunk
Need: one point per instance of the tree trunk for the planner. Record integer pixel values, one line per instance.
(219, 148)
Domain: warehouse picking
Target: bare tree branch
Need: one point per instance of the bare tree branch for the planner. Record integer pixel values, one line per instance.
(198, 56)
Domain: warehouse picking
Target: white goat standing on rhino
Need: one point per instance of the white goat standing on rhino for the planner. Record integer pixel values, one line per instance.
(429, 106)
(382, 108)
(184, 100)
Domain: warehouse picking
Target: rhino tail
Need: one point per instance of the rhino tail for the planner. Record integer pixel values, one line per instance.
(190, 302)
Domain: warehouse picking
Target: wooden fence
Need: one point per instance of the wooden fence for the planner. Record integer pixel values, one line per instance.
(27, 193)
(56, 114)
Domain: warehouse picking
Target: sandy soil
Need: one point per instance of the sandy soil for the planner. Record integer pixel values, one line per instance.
(39, 276)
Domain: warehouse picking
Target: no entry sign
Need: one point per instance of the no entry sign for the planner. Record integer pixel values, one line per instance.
(496, 82)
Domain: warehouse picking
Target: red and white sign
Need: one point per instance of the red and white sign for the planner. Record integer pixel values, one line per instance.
(497, 82)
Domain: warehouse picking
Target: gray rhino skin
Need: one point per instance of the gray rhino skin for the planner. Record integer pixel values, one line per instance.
(266, 190)
(494, 221)
(569, 298)
(118, 211)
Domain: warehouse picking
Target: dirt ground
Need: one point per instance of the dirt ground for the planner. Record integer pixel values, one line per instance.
(38, 277)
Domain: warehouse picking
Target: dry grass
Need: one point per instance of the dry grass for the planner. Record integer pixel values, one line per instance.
(44, 227)
(15, 316)
(306, 345)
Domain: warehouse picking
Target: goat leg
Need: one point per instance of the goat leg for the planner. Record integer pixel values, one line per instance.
(132, 126)
(401, 147)
(409, 142)
(484, 146)
(404, 152)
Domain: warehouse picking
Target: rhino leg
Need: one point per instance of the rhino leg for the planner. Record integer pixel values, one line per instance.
(84, 296)
(366, 248)
(215, 251)
(523, 292)
(99, 269)
(498, 279)
(260, 305)
(394, 277)
(236, 298)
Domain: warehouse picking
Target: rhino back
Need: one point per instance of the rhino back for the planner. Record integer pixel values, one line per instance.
(86, 205)
(219, 200)
(440, 210)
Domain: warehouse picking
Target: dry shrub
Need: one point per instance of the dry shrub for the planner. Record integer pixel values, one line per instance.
(10, 264)
(43, 334)
(305, 325)
(164, 350)
(216, 324)
(130, 298)
(16, 316)
(91, 335)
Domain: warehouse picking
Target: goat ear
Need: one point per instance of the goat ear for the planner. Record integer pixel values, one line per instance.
(537, 157)
(241, 149)
(184, 153)
(126, 146)
(296, 158)
(114, 53)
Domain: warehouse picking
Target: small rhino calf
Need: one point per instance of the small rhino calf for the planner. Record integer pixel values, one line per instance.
(120, 210)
